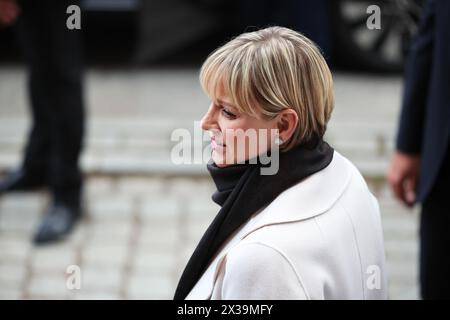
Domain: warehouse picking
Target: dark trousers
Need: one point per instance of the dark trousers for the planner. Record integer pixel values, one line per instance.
(53, 57)
(435, 238)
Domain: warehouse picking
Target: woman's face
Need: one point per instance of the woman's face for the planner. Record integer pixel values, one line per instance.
(236, 137)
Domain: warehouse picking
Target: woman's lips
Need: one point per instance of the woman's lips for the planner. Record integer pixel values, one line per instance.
(216, 145)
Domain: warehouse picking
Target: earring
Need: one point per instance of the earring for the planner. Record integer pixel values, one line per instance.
(278, 141)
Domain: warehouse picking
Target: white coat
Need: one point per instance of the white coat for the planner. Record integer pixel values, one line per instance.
(320, 239)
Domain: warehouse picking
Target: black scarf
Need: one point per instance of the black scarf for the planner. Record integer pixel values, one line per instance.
(241, 191)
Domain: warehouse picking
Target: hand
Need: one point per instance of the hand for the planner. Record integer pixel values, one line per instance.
(403, 176)
(9, 11)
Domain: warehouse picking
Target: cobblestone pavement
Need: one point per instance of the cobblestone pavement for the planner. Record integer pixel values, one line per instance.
(144, 214)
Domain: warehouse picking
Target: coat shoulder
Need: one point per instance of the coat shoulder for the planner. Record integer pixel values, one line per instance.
(255, 270)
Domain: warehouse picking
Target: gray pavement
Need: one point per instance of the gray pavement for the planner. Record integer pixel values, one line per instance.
(144, 214)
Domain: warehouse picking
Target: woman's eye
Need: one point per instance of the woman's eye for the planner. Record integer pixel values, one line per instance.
(228, 114)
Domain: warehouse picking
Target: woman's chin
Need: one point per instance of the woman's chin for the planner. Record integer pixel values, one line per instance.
(219, 159)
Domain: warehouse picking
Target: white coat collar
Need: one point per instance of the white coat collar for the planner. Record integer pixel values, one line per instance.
(311, 197)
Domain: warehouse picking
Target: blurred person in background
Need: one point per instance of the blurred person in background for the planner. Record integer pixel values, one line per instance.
(53, 57)
(420, 168)
(311, 17)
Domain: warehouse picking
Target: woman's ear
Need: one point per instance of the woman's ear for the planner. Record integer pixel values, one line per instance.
(287, 123)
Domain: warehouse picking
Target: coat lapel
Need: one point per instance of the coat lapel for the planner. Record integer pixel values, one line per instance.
(311, 197)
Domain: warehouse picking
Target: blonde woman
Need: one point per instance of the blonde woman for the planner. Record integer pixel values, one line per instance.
(310, 230)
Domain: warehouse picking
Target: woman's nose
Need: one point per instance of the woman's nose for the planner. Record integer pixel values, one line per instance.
(208, 121)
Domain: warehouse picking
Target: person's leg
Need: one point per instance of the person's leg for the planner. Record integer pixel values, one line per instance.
(67, 113)
(34, 44)
(435, 238)
(65, 121)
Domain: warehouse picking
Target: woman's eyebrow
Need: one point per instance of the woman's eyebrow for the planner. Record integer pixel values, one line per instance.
(226, 103)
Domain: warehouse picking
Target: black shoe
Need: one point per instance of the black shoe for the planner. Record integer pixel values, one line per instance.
(20, 180)
(58, 223)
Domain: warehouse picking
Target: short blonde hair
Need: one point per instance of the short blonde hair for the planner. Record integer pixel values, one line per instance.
(272, 69)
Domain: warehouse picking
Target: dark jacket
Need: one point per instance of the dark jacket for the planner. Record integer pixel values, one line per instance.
(425, 118)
